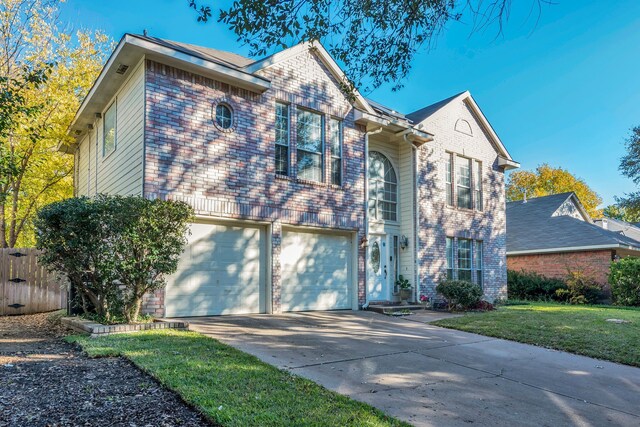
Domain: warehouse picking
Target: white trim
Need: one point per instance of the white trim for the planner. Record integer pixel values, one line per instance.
(571, 249)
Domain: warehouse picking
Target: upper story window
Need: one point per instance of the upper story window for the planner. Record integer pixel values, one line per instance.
(383, 188)
(478, 186)
(310, 151)
(448, 178)
(282, 139)
(463, 182)
(224, 116)
(109, 131)
(335, 137)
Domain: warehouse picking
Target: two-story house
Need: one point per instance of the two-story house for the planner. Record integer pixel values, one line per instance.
(305, 198)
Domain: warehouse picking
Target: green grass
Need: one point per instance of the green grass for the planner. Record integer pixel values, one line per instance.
(576, 329)
(233, 388)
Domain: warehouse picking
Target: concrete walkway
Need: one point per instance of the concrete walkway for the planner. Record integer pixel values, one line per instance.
(431, 376)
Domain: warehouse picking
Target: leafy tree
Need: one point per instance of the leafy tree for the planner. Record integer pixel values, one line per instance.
(547, 180)
(630, 167)
(621, 213)
(375, 40)
(624, 278)
(113, 249)
(34, 172)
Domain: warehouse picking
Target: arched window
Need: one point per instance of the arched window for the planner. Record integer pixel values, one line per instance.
(383, 188)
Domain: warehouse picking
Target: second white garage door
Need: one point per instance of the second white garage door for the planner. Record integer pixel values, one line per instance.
(222, 271)
(316, 271)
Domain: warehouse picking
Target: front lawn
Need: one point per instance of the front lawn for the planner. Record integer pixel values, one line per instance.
(231, 387)
(573, 328)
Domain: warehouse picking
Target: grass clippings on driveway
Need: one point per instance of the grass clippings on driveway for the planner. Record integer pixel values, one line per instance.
(577, 329)
(231, 387)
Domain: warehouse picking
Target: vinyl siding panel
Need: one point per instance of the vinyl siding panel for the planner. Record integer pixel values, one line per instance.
(121, 172)
(407, 211)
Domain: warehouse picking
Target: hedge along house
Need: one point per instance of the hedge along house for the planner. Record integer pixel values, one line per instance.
(554, 235)
(305, 198)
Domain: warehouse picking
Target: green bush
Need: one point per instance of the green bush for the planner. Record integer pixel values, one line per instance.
(523, 285)
(459, 293)
(113, 249)
(624, 278)
(580, 290)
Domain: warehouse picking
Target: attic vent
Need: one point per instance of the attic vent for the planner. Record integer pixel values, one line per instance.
(122, 69)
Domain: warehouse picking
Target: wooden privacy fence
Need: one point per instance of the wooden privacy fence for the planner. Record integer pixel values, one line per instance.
(26, 287)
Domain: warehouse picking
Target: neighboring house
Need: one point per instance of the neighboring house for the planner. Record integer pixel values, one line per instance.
(553, 235)
(618, 226)
(273, 157)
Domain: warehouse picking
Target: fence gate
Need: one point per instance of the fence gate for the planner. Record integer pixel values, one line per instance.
(27, 287)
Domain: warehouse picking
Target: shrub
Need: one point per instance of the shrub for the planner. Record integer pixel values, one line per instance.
(580, 290)
(523, 285)
(624, 278)
(483, 306)
(113, 249)
(459, 293)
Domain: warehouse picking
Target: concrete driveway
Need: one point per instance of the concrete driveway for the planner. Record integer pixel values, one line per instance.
(432, 376)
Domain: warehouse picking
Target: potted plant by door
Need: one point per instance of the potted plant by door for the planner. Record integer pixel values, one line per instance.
(404, 288)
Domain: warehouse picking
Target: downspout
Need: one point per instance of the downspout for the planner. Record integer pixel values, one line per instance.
(366, 204)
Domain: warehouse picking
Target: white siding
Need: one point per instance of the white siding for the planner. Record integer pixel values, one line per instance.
(407, 211)
(122, 171)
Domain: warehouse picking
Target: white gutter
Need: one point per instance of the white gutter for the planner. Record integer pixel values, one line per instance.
(571, 249)
(366, 205)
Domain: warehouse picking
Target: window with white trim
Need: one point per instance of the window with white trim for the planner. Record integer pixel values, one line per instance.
(282, 139)
(335, 139)
(310, 151)
(383, 188)
(450, 266)
(464, 260)
(463, 182)
(477, 262)
(449, 178)
(109, 131)
(477, 185)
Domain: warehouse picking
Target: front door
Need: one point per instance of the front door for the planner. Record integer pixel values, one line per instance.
(378, 269)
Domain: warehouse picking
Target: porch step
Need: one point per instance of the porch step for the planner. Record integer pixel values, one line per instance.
(388, 309)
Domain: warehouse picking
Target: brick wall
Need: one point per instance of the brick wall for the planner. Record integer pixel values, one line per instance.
(593, 263)
(232, 174)
(439, 221)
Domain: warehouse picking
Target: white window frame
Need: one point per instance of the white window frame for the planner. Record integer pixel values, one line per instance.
(115, 130)
(320, 153)
(287, 143)
(339, 132)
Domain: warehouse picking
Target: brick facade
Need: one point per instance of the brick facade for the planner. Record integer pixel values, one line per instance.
(231, 175)
(437, 221)
(594, 264)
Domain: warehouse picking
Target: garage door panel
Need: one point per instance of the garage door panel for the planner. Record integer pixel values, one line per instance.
(220, 272)
(316, 271)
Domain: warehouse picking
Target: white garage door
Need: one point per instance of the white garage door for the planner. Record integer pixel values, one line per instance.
(316, 271)
(220, 272)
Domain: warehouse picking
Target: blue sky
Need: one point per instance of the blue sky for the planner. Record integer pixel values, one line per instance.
(562, 89)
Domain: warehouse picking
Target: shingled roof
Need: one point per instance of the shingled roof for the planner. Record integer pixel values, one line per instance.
(540, 225)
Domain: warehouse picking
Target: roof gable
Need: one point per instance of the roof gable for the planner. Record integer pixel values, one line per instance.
(557, 223)
(440, 107)
(324, 56)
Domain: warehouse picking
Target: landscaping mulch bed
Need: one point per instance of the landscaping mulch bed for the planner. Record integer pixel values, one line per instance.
(45, 381)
